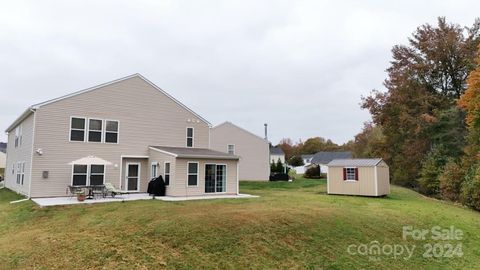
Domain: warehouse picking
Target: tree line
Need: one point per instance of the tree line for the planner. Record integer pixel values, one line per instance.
(426, 125)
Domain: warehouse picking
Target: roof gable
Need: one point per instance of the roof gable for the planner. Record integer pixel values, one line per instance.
(34, 107)
(227, 123)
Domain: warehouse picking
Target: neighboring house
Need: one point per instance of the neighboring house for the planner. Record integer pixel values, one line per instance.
(307, 159)
(3, 160)
(252, 150)
(277, 153)
(366, 177)
(323, 158)
(124, 132)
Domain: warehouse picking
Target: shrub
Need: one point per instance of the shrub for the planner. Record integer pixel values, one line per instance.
(451, 181)
(296, 161)
(313, 172)
(470, 194)
(292, 173)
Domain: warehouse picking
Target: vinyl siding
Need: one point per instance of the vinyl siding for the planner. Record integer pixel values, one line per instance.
(161, 158)
(253, 150)
(181, 189)
(146, 117)
(20, 154)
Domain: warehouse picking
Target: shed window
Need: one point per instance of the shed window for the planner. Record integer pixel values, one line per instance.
(350, 174)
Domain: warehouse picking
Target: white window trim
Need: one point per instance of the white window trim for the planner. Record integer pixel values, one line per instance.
(193, 137)
(226, 177)
(197, 174)
(101, 130)
(84, 130)
(87, 182)
(152, 175)
(346, 174)
(105, 131)
(228, 150)
(20, 173)
(169, 172)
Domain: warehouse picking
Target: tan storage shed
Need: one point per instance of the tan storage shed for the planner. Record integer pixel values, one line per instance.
(364, 177)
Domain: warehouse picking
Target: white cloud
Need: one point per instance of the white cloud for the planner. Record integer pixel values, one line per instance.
(300, 66)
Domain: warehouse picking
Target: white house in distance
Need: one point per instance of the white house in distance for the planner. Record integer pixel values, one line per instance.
(132, 129)
(3, 160)
(364, 177)
(323, 158)
(253, 150)
(277, 153)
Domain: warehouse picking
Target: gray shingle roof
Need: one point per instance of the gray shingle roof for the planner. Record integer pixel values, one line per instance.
(355, 162)
(276, 151)
(202, 153)
(326, 157)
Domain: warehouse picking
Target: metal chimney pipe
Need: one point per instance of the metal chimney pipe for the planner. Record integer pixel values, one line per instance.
(266, 127)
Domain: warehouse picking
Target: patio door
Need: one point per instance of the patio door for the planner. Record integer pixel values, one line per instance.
(215, 178)
(132, 176)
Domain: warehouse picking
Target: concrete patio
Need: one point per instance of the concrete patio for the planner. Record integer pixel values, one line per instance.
(58, 201)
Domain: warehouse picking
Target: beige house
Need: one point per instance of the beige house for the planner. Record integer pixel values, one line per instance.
(252, 150)
(129, 130)
(365, 177)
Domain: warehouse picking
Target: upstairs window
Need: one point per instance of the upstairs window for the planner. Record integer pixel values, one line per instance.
(111, 131)
(77, 129)
(189, 137)
(231, 149)
(95, 130)
(166, 173)
(18, 136)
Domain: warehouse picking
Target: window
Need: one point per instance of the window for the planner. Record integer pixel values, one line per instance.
(79, 175)
(97, 174)
(95, 130)
(77, 129)
(231, 149)
(350, 174)
(189, 137)
(154, 170)
(192, 173)
(111, 131)
(18, 136)
(20, 173)
(166, 173)
(215, 178)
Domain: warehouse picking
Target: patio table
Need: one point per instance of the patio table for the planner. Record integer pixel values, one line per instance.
(90, 190)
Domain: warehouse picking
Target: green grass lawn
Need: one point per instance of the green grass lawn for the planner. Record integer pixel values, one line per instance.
(292, 225)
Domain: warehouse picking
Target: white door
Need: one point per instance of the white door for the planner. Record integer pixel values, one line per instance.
(132, 177)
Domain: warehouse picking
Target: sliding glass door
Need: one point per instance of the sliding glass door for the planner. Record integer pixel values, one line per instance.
(215, 178)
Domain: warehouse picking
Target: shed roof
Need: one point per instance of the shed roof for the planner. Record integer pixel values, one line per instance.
(326, 157)
(355, 162)
(201, 153)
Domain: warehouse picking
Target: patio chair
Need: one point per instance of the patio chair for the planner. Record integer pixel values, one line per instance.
(73, 191)
(98, 192)
(110, 189)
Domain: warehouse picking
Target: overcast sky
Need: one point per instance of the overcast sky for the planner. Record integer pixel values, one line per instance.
(300, 66)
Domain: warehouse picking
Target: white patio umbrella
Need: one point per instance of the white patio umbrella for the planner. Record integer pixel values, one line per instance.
(89, 160)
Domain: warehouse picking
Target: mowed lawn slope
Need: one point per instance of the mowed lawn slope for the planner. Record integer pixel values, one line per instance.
(292, 225)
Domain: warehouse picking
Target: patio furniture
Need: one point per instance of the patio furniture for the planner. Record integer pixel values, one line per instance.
(110, 189)
(74, 190)
(98, 191)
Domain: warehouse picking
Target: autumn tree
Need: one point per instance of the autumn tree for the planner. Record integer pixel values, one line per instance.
(370, 142)
(426, 77)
